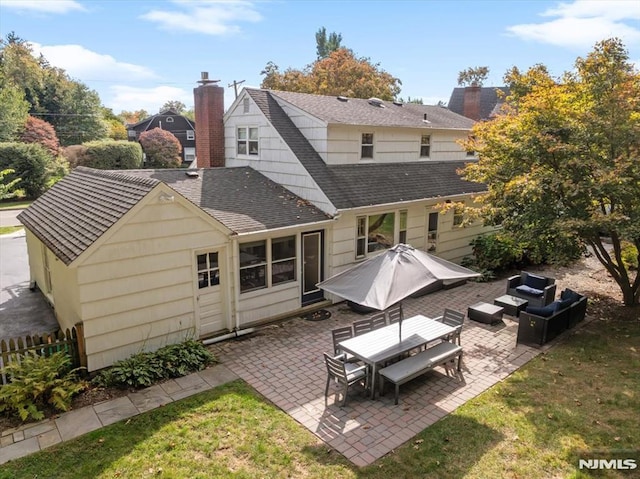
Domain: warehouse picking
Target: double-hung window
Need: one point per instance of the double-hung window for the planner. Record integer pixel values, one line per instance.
(247, 140)
(367, 145)
(260, 270)
(374, 233)
(458, 215)
(425, 146)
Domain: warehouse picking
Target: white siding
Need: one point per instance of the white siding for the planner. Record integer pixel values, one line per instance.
(138, 288)
(392, 145)
(275, 160)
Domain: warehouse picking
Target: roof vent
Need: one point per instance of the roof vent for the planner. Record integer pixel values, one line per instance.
(376, 102)
(343, 98)
(397, 103)
(192, 174)
(424, 119)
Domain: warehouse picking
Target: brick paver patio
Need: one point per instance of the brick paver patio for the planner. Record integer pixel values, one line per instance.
(284, 363)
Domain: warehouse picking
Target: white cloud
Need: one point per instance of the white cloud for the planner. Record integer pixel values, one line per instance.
(85, 65)
(210, 17)
(43, 6)
(146, 98)
(583, 23)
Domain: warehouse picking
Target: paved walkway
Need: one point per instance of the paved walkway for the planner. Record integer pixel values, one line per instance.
(284, 363)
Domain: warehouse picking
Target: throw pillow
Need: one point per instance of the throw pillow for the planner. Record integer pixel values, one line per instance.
(570, 294)
(535, 281)
(529, 291)
(564, 303)
(545, 311)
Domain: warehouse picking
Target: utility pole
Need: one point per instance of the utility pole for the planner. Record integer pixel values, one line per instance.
(235, 86)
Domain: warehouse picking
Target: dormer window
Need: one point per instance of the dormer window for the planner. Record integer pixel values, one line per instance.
(367, 145)
(425, 146)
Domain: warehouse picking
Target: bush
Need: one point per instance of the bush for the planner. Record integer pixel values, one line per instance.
(111, 155)
(37, 381)
(75, 155)
(496, 252)
(629, 255)
(144, 369)
(30, 162)
(161, 148)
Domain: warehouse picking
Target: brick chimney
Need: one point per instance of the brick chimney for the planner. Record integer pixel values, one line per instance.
(209, 109)
(471, 105)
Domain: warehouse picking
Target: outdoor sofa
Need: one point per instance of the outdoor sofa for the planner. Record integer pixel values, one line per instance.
(539, 325)
(537, 290)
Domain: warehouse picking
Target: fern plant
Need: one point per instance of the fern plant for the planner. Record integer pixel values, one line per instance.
(37, 381)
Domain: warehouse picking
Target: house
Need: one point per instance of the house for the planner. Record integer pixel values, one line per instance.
(476, 102)
(180, 126)
(290, 189)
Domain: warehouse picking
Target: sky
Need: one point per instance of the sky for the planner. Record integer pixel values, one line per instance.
(141, 54)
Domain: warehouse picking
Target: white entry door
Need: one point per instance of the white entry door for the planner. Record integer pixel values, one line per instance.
(211, 306)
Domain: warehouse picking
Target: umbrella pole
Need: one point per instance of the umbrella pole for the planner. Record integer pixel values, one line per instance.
(400, 324)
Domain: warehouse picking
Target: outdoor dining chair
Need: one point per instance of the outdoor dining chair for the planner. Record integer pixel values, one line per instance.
(394, 313)
(345, 374)
(378, 320)
(454, 319)
(342, 334)
(362, 326)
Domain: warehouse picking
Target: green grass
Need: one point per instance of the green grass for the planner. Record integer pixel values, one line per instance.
(9, 205)
(5, 230)
(582, 395)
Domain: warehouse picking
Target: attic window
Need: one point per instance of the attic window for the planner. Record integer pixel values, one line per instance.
(245, 105)
(169, 119)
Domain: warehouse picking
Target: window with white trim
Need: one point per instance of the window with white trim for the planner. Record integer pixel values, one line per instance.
(208, 270)
(169, 119)
(425, 146)
(377, 231)
(402, 233)
(190, 135)
(189, 154)
(261, 270)
(247, 139)
(367, 145)
(458, 215)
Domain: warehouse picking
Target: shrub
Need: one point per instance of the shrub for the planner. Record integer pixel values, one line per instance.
(75, 155)
(496, 252)
(37, 381)
(629, 255)
(161, 148)
(144, 369)
(30, 162)
(111, 155)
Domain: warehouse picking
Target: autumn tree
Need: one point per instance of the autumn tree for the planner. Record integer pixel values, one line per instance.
(473, 76)
(161, 148)
(39, 131)
(325, 45)
(562, 163)
(340, 73)
(132, 117)
(174, 105)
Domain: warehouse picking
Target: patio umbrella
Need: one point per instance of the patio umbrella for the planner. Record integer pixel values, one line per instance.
(388, 278)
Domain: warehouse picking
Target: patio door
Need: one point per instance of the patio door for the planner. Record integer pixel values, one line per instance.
(312, 266)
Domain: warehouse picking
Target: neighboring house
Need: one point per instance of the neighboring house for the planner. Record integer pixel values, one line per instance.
(292, 189)
(180, 126)
(476, 102)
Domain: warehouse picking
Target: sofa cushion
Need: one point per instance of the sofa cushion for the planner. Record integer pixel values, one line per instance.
(564, 303)
(535, 281)
(545, 311)
(529, 291)
(570, 294)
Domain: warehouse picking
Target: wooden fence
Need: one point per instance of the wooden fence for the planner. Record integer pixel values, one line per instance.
(69, 341)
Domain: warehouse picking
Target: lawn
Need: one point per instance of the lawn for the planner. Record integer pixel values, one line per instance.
(5, 230)
(582, 395)
(11, 205)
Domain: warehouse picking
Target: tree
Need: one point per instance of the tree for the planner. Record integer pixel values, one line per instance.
(39, 131)
(161, 148)
(174, 105)
(29, 162)
(473, 76)
(7, 190)
(324, 45)
(14, 111)
(562, 163)
(133, 117)
(340, 73)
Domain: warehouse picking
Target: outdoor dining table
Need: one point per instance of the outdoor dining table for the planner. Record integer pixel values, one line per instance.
(381, 345)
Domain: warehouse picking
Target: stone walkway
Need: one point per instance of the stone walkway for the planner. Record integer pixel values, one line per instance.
(284, 363)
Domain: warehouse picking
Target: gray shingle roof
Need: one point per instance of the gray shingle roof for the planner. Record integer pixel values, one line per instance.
(357, 111)
(352, 186)
(490, 101)
(80, 208)
(242, 199)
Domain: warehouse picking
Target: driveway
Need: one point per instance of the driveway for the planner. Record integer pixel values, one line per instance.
(22, 312)
(9, 217)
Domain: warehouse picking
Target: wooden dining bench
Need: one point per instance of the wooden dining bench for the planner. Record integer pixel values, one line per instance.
(418, 364)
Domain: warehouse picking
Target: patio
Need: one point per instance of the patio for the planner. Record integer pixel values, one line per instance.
(284, 362)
